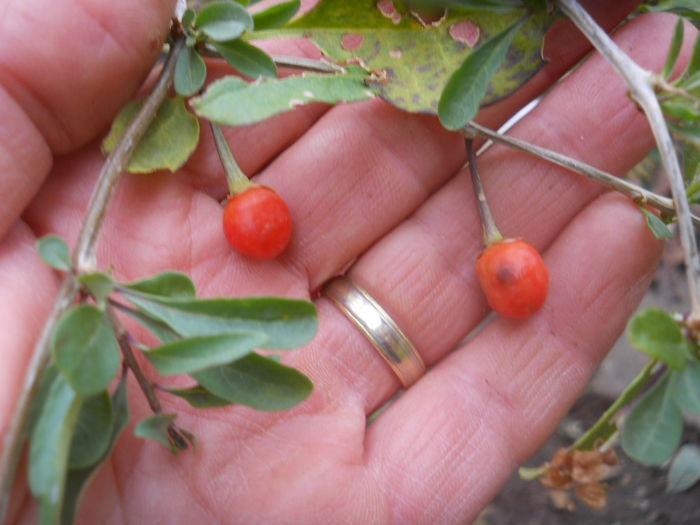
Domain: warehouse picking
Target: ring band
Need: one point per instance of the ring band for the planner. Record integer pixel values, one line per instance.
(378, 327)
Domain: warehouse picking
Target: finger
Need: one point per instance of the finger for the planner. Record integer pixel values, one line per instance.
(84, 62)
(492, 403)
(423, 272)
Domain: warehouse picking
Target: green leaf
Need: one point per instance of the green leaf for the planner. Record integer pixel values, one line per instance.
(247, 59)
(53, 250)
(694, 62)
(162, 331)
(257, 382)
(684, 471)
(156, 428)
(686, 387)
(166, 284)
(674, 50)
(223, 20)
(288, 323)
(167, 143)
(412, 60)
(655, 333)
(652, 430)
(85, 350)
(78, 479)
(99, 284)
(45, 383)
(277, 15)
(188, 17)
(495, 6)
(656, 225)
(461, 98)
(93, 431)
(233, 102)
(49, 448)
(190, 72)
(199, 397)
(197, 353)
(686, 8)
(681, 108)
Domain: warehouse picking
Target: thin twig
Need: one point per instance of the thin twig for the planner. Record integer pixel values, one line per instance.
(636, 193)
(640, 83)
(491, 233)
(84, 259)
(130, 360)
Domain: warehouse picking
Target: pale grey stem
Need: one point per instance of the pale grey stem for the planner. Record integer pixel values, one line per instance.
(84, 260)
(640, 83)
(637, 193)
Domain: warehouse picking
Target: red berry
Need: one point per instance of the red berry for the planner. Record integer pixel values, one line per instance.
(257, 222)
(514, 278)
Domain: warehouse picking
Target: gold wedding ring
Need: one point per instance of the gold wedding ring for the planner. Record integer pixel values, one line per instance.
(379, 328)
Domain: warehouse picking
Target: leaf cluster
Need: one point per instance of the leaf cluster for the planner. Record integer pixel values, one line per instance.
(76, 420)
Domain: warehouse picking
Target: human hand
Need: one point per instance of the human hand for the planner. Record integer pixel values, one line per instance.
(365, 183)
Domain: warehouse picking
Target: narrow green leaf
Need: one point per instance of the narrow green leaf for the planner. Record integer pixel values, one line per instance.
(223, 20)
(78, 479)
(45, 384)
(85, 350)
(276, 16)
(190, 72)
(49, 447)
(162, 331)
(199, 397)
(681, 108)
(233, 102)
(99, 284)
(188, 17)
(656, 225)
(197, 353)
(652, 430)
(686, 8)
(257, 382)
(461, 98)
(166, 284)
(686, 387)
(93, 431)
(167, 143)
(156, 428)
(288, 323)
(247, 59)
(53, 250)
(674, 50)
(684, 471)
(694, 63)
(654, 332)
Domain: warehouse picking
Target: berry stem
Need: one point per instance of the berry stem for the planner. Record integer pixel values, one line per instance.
(491, 231)
(236, 179)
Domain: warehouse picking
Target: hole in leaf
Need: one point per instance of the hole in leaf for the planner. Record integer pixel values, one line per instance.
(388, 9)
(352, 41)
(466, 32)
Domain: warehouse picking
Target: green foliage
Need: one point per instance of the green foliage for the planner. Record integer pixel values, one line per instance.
(50, 446)
(157, 427)
(684, 471)
(276, 15)
(656, 225)
(461, 98)
(98, 284)
(53, 250)
(411, 60)
(247, 59)
(258, 382)
(167, 143)
(93, 431)
(175, 285)
(288, 323)
(223, 21)
(654, 332)
(652, 430)
(85, 350)
(190, 72)
(674, 50)
(687, 8)
(199, 397)
(197, 353)
(233, 102)
(685, 386)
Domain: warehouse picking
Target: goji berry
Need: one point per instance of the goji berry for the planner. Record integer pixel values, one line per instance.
(257, 222)
(514, 277)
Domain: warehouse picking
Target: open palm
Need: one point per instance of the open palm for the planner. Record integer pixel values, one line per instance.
(366, 184)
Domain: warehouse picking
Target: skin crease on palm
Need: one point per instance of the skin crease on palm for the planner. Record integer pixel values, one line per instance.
(364, 182)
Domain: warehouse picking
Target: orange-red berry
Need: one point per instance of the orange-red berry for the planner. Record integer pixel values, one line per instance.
(514, 277)
(257, 222)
